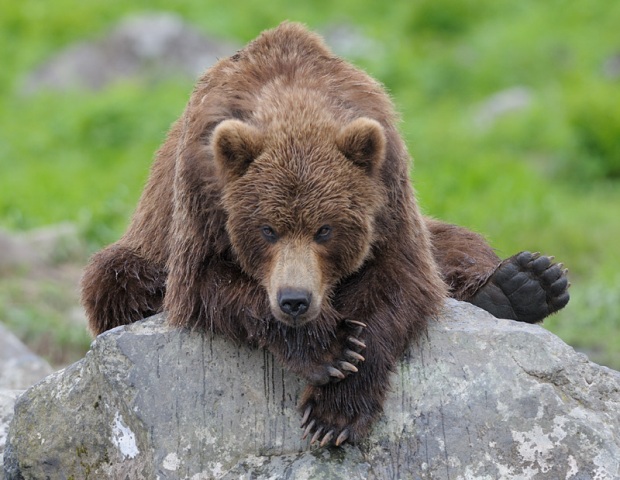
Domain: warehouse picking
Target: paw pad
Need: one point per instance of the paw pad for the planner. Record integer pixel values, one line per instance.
(526, 287)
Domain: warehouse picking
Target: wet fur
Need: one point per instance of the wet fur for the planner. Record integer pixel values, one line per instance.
(177, 254)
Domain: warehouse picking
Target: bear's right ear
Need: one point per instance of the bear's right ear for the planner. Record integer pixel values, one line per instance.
(363, 142)
(235, 146)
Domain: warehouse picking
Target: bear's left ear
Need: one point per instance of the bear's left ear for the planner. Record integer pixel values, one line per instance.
(235, 145)
(363, 142)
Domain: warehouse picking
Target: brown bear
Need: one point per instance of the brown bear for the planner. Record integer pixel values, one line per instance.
(279, 213)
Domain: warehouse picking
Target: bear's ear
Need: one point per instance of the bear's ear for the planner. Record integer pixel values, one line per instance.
(235, 146)
(363, 142)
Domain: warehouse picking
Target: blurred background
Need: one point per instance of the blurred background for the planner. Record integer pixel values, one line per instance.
(511, 110)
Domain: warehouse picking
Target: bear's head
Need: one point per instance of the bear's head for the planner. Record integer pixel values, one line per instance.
(301, 206)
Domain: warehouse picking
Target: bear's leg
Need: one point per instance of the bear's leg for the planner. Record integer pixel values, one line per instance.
(120, 287)
(346, 410)
(380, 296)
(525, 287)
(464, 258)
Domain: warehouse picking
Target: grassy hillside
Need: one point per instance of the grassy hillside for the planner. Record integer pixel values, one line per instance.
(544, 177)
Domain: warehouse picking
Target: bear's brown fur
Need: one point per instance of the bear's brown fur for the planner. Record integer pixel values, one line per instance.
(279, 213)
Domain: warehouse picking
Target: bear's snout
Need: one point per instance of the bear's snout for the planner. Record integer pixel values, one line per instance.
(294, 285)
(294, 302)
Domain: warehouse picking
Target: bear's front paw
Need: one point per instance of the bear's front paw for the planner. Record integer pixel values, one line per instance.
(526, 287)
(327, 424)
(344, 362)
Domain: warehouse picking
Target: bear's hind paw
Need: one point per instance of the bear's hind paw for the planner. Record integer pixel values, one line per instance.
(526, 287)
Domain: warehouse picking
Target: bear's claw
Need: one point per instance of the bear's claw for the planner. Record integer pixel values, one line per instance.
(356, 342)
(306, 415)
(343, 363)
(342, 437)
(308, 429)
(327, 438)
(354, 356)
(526, 287)
(316, 435)
(357, 326)
(335, 373)
(348, 367)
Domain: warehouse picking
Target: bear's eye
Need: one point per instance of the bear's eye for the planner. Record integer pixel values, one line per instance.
(269, 234)
(323, 234)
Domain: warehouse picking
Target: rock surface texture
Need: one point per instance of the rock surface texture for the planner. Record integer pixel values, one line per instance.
(7, 402)
(19, 369)
(478, 398)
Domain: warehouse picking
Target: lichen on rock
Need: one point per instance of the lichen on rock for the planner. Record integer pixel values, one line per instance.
(477, 398)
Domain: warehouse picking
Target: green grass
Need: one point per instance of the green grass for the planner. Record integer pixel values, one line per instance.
(543, 178)
(41, 310)
(88, 159)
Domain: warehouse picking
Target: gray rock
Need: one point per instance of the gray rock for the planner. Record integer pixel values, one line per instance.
(478, 398)
(350, 41)
(19, 367)
(611, 67)
(152, 45)
(7, 402)
(501, 104)
(54, 243)
(40, 246)
(14, 253)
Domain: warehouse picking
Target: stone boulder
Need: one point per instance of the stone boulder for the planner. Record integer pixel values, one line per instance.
(7, 402)
(501, 104)
(155, 45)
(477, 398)
(150, 46)
(19, 369)
(40, 247)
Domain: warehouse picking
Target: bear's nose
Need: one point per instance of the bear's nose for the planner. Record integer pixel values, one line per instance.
(294, 302)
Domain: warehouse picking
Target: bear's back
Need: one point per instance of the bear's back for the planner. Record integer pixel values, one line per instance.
(287, 55)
